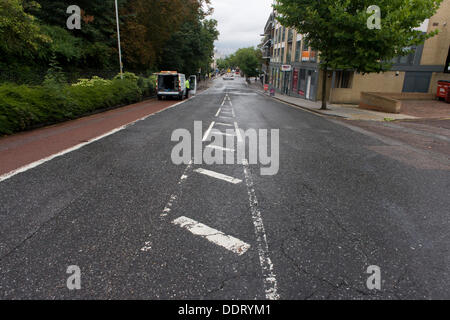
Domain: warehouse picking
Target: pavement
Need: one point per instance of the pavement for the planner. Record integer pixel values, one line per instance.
(411, 110)
(139, 226)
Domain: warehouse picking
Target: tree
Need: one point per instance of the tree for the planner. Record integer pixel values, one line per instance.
(338, 30)
(248, 60)
(190, 48)
(20, 34)
(150, 24)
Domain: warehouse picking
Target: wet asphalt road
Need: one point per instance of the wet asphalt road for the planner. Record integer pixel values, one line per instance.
(342, 200)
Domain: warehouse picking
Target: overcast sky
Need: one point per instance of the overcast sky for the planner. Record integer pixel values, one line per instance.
(240, 22)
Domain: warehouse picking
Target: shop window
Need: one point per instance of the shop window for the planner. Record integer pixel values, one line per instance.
(344, 79)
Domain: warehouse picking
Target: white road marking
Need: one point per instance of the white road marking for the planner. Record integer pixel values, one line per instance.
(208, 131)
(212, 146)
(225, 117)
(147, 246)
(270, 280)
(224, 124)
(218, 112)
(78, 146)
(217, 175)
(238, 133)
(222, 133)
(232, 111)
(174, 197)
(215, 236)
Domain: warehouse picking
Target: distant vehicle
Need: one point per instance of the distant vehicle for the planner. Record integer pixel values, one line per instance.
(228, 76)
(171, 84)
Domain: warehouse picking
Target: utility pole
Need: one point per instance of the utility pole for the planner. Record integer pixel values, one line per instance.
(118, 40)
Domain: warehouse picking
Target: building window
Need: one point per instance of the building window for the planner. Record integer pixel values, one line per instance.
(284, 34)
(406, 60)
(297, 50)
(289, 53)
(344, 79)
(305, 46)
(282, 54)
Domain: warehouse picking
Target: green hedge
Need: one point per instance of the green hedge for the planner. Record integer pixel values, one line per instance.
(24, 107)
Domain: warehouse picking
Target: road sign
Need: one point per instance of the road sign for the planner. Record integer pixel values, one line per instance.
(286, 67)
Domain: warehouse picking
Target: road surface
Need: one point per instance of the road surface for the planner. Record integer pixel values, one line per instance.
(139, 226)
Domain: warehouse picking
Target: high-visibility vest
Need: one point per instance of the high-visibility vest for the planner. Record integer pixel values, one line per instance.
(188, 85)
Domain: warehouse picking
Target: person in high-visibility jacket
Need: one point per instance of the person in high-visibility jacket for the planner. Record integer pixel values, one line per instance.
(188, 88)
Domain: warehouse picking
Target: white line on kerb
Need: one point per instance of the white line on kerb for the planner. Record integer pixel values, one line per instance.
(215, 236)
(78, 146)
(208, 131)
(218, 176)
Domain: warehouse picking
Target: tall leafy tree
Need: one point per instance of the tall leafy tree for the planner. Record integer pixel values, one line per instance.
(248, 60)
(149, 25)
(338, 30)
(20, 33)
(191, 48)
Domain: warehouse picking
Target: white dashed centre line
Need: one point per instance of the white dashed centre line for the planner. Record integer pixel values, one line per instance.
(215, 236)
(218, 176)
(174, 197)
(208, 131)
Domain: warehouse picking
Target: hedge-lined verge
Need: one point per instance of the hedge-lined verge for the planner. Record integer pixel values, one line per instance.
(24, 107)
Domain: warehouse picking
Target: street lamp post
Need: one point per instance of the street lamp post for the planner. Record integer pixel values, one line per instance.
(118, 40)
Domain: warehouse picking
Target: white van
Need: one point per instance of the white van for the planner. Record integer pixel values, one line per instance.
(171, 84)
